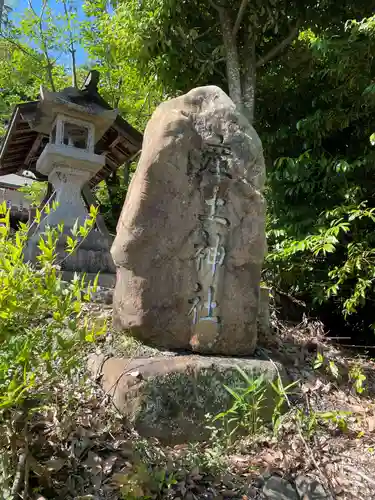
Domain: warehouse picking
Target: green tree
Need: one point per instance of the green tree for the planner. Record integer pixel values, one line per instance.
(191, 42)
(316, 128)
(123, 84)
(31, 48)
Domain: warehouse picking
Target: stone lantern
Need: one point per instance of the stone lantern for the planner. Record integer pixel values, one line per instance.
(69, 162)
(73, 139)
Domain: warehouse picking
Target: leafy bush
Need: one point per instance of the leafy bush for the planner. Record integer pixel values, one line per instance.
(321, 171)
(34, 192)
(42, 335)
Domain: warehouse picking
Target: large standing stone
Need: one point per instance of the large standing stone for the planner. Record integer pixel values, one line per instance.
(190, 240)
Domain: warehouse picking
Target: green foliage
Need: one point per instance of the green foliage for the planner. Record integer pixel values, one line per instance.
(34, 192)
(42, 327)
(123, 84)
(145, 483)
(182, 43)
(310, 421)
(321, 210)
(33, 51)
(358, 378)
(282, 392)
(355, 373)
(212, 457)
(329, 366)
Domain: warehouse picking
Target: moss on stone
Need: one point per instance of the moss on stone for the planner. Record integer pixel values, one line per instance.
(174, 405)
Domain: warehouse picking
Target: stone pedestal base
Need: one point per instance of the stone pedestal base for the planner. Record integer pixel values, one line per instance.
(168, 397)
(69, 169)
(92, 255)
(106, 280)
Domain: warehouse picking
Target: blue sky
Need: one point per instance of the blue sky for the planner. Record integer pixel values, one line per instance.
(18, 7)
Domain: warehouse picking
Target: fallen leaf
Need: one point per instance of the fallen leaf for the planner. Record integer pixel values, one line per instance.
(93, 462)
(54, 465)
(109, 463)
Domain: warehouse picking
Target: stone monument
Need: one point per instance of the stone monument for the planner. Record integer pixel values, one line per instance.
(191, 237)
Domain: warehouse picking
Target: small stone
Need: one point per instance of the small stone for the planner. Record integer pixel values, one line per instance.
(259, 482)
(251, 493)
(310, 489)
(229, 493)
(277, 488)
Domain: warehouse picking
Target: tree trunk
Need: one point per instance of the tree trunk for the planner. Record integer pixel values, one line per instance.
(232, 59)
(248, 83)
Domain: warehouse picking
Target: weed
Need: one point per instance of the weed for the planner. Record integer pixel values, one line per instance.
(244, 414)
(329, 365)
(144, 482)
(356, 375)
(310, 421)
(282, 394)
(357, 378)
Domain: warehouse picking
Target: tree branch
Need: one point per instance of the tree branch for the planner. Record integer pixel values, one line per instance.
(279, 48)
(214, 5)
(18, 478)
(248, 78)
(72, 48)
(43, 41)
(241, 13)
(20, 47)
(201, 35)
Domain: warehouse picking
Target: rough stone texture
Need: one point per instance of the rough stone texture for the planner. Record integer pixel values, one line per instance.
(310, 489)
(190, 240)
(168, 397)
(277, 488)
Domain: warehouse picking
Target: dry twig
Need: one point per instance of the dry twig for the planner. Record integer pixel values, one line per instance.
(19, 477)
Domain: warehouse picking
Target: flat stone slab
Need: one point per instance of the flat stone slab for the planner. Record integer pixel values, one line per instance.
(168, 397)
